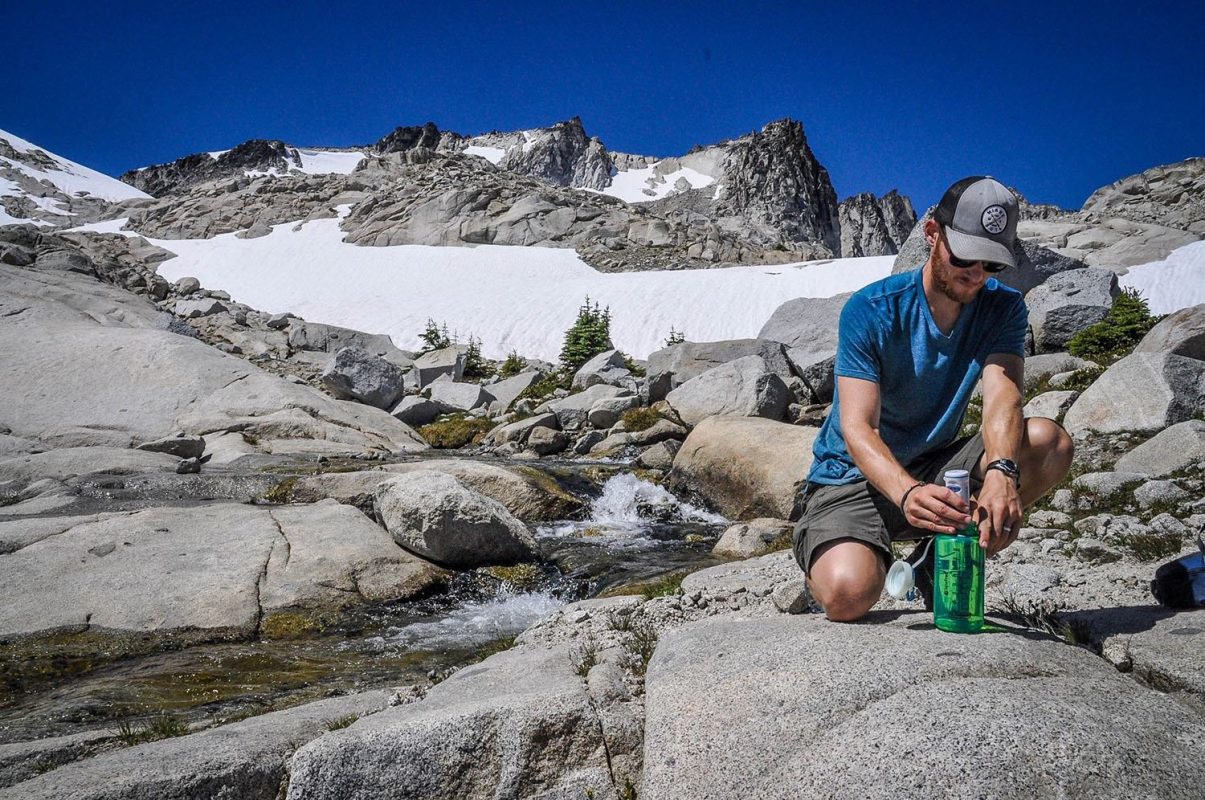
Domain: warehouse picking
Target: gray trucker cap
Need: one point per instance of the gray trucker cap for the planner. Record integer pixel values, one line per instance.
(979, 215)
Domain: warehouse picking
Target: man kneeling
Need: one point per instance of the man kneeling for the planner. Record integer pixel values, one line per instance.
(910, 351)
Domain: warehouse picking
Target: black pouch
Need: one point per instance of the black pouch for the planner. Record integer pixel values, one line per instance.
(1181, 583)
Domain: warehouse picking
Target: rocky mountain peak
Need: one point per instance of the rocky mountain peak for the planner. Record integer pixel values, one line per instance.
(258, 155)
(408, 137)
(564, 155)
(773, 181)
(1171, 195)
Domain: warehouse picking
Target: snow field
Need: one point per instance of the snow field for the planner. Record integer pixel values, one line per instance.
(511, 298)
(68, 176)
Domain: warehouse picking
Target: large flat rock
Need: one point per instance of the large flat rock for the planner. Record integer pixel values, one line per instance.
(88, 365)
(799, 707)
(246, 760)
(203, 573)
(519, 724)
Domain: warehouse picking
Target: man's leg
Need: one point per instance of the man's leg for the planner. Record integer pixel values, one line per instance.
(846, 578)
(1045, 458)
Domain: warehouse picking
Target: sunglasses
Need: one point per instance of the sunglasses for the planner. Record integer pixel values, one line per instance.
(962, 263)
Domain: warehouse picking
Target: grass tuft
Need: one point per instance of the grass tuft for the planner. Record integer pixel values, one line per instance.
(339, 723)
(639, 419)
(282, 492)
(455, 431)
(584, 656)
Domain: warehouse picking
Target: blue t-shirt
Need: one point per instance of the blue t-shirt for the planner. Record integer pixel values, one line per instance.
(887, 335)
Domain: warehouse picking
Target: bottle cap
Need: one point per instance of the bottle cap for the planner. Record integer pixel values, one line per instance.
(900, 580)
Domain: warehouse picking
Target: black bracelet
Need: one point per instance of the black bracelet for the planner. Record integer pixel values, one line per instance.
(904, 499)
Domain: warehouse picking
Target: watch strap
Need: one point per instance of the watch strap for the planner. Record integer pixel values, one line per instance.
(1008, 467)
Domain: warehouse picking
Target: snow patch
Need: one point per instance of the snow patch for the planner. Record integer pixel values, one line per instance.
(490, 154)
(1176, 282)
(329, 162)
(67, 176)
(645, 185)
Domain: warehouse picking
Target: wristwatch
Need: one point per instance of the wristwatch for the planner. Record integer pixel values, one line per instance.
(1008, 467)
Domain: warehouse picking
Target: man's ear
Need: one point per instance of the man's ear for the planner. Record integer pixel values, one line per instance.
(931, 229)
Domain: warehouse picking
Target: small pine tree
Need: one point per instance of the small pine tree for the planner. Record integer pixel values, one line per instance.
(675, 337)
(589, 335)
(434, 336)
(474, 365)
(1118, 333)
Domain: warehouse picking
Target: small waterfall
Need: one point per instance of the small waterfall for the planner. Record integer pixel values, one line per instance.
(474, 623)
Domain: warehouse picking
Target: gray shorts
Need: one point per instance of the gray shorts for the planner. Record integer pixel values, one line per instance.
(859, 511)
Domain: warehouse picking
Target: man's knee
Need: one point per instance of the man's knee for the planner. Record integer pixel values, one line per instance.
(847, 580)
(1050, 444)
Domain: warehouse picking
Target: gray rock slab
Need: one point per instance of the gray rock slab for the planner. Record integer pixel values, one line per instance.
(21, 761)
(519, 724)
(758, 576)
(806, 323)
(1167, 452)
(1162, 493)
(1107, 484)
(745, 467)
(745, 387)
(794, 706)
(15, 534)
(87, 365)
(607, 367)
(1144, 392)
(1041, 367)
(415, 410)
(330, 555)
(318, 337)
(507, 390)
(573, 411)
(753, 538)
(452, 397)
(606, 412)
(526, 492)
(672, 366)
(204, 307)
(546, 441)
(159, 570)
(180, 446)
(356, 374)
(448, 362)
(434, 516)
(68, 462)
(519, 431)
(1164, 647)
(246, 760)
(1181, 333)
(1067, 303)
(1052, 405)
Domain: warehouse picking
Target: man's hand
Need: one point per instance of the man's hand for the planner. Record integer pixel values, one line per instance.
(998, 512)
(936, 508)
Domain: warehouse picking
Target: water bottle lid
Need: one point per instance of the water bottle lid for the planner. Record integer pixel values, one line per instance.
(900, 580)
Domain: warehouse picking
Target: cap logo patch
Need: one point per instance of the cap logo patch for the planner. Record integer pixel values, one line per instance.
(994, 219)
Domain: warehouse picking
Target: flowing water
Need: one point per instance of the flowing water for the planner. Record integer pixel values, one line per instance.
(633, 531)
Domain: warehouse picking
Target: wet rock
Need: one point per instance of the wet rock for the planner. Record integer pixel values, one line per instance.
(754, 538)
(180, 446)
(436, 517)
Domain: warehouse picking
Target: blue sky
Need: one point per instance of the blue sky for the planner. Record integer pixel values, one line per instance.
(1056, 99)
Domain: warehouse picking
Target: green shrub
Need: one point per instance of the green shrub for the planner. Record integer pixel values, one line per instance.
(512, 366)
(339, 723)
(1118, 333)
(546, 386)
(589, 335)
(639, 419)
(1150, 546)
(632, 366)
(675, 337)
(455, 431)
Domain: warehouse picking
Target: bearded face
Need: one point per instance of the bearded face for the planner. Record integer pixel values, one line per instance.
(960, 284)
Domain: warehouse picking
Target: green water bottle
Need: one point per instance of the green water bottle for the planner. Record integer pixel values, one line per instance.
(958, 581)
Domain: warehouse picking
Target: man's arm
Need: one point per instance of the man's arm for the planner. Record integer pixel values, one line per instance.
(928, 506)
(999, 499)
